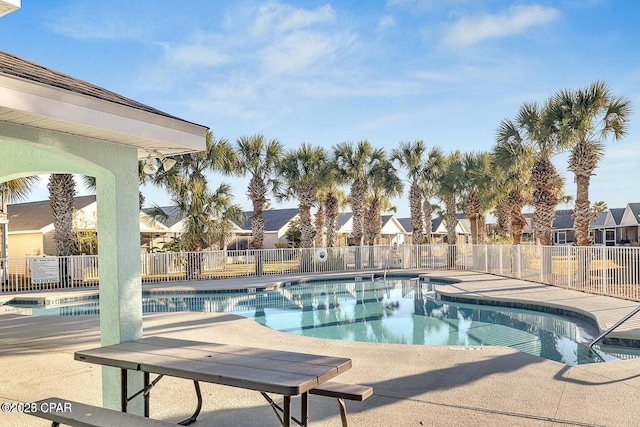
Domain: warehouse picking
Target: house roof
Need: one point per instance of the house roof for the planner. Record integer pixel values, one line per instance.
(274, 219)
(173, 216)
(37, 215)
(19, 67)
(39, 97)
(616, 214)
(406, 224)
(436, 223)
(563, 220)
(343, 218)
(635, 210)
(600, 221)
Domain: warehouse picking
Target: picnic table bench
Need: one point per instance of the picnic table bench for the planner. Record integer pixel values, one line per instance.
(266, 371)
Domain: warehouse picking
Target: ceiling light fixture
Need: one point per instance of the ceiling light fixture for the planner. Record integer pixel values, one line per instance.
(150, 167)
(167, 163)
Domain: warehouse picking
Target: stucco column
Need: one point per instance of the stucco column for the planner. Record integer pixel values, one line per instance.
(119, 268)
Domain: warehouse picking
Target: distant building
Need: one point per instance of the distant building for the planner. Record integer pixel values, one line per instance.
(31, 230)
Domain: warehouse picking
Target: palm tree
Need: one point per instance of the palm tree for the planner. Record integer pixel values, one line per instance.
(207, 214)
(333, 201)
(354, 162)
(429, 186)
(258, 158)
(514, 159)
(383, 185)
(534, 130)
(477, 191)
(301, 170)
(600, 206)
(585, 118)
(410, 156)
(449, 188)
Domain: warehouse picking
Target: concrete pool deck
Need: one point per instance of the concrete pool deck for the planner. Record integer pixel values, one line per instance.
(413, 385)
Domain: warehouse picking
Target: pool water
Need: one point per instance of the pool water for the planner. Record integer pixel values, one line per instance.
(396, 311)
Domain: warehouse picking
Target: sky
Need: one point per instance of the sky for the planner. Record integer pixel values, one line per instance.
(323, 72)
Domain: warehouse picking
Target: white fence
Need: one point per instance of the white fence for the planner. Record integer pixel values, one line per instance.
(604, 270)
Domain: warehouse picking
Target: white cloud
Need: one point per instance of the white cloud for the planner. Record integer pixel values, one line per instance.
(385, 22)
(188, 56)
(281, 18)
(469, 31)
(302, 52)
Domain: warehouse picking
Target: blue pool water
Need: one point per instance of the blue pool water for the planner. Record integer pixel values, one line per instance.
(397, 311)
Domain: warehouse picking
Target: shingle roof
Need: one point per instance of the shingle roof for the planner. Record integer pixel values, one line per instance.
(599, 222)
(617, 214)
(37, 215)
(274, 219)
(563, 220)
(406, 224)
(435, 223)
(343, 218)
(11, 65)
(173, 216)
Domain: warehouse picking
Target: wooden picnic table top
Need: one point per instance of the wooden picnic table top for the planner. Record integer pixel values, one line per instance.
(272, 371)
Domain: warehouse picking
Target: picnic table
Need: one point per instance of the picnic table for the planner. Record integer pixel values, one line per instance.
(266, 371)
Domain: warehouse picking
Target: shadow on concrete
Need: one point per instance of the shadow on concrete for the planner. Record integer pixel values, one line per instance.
(407, 387)
(559, 376)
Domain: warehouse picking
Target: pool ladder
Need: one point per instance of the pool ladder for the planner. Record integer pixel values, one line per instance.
(618, 323)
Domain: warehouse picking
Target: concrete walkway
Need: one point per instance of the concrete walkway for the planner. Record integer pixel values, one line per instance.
(413, 385)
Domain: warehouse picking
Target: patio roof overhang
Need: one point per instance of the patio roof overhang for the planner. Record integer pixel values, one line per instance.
(8, 6)
(38, 97)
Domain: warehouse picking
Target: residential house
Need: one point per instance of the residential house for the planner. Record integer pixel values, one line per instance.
(439, 230)
(630, 225)
(610, 228)
(563, 233)
(31, 230)
(392, 230)
(276, 224)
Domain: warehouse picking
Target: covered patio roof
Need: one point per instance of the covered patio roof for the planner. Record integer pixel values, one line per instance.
(39, 97)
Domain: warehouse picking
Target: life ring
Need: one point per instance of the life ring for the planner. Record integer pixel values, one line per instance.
(321, 255)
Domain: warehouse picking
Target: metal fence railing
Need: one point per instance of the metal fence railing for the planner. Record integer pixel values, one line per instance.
(613, 271)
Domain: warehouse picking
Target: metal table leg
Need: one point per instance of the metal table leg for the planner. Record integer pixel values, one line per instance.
(304, 410)
(124, 390)
(287, 412)
(192, 418)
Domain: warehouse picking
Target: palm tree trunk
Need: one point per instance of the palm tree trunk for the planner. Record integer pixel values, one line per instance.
(62, 190)
(415, 204)
(333, 212)
(319, 224)
(306, 196)
(427, 212)
(358, 211)
(450, 222)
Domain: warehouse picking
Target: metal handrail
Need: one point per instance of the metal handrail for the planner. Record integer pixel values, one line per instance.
(618, 323)
(384, 277)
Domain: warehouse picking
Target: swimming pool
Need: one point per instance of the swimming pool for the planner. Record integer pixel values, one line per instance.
(396, 311)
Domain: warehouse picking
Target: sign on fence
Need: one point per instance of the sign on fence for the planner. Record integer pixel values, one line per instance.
(45, 270)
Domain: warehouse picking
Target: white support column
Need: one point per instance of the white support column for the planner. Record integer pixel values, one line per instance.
(119, 269)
